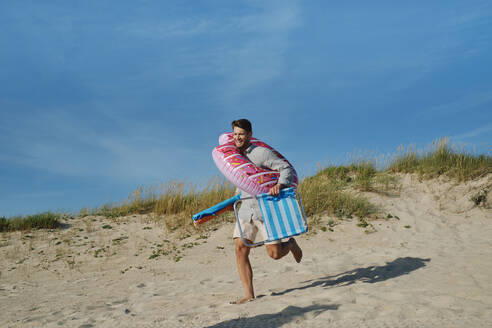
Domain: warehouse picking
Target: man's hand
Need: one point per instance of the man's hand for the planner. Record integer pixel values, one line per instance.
(275, 190)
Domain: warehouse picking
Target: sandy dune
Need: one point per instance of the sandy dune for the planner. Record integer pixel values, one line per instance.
(430, 267)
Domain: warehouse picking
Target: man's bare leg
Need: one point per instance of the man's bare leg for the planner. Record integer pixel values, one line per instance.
(244, 270)
(296, 250)
(277, 251)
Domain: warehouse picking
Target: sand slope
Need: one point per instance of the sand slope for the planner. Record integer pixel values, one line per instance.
(432, 267)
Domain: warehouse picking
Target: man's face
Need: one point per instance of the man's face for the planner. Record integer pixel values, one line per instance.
(241, 138)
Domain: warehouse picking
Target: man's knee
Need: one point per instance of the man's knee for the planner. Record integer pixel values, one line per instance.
(241, 249)
(274, 251)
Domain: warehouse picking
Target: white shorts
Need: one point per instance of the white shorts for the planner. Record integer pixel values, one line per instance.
(251, 222)
(250, 230)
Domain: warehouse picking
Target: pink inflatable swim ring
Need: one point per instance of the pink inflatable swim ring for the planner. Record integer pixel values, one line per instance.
(241, 172)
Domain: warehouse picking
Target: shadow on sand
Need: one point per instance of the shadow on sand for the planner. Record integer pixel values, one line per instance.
(289, 314)
(64, 226)
(371, 274)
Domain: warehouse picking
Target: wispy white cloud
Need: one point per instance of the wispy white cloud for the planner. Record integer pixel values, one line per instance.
(59, 143)
(474, 133)
(469, 101)
(468, 16)
(186, 27)
(271, 16)
(252, 55)
(243, 50)
(260, 57)
(405, 56)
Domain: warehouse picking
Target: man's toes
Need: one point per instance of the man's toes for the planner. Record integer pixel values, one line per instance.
(242, 300)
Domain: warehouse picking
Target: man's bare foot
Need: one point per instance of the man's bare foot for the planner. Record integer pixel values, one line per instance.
(243, 300)
(296, 250)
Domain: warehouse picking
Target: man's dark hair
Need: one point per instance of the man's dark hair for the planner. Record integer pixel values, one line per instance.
(243, 124)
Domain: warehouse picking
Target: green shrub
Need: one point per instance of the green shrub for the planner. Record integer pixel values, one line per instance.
(325, 193)
(47, 220)
(4, 224)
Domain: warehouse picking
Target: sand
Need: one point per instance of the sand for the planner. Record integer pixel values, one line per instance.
(429, 267)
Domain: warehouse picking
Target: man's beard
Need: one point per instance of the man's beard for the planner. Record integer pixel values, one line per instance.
(244, 146)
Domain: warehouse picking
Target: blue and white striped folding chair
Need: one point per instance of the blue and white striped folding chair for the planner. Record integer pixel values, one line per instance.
(283, 216)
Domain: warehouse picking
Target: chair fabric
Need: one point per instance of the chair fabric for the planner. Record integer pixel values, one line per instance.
(282, 215)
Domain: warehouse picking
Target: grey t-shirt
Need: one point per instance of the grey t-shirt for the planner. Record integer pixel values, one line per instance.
(266, 159)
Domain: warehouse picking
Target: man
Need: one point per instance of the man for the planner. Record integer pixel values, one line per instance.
(249, 213)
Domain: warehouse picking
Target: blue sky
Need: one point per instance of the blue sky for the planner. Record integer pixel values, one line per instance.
(100, 97)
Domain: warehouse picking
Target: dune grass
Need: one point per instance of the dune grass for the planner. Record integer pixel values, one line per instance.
(327, 192)
(177, 201)
(47, 220)
(334, 190)
(442, 159)
(331, 191)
